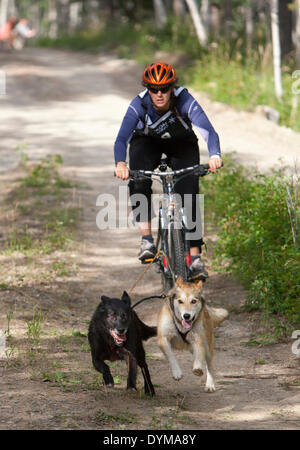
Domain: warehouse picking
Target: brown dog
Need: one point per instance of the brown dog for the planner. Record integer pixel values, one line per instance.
(186, 322)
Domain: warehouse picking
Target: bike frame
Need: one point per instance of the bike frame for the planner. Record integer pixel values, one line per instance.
(169, 215)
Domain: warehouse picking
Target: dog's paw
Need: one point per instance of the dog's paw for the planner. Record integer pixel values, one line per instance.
(177, 374)
(198, 371)
(131, 389)
(210, 387)
(109, 385)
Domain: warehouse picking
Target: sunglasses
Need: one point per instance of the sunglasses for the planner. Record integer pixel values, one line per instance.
(163, 90)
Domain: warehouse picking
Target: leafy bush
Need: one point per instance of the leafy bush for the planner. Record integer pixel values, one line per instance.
(255, 236)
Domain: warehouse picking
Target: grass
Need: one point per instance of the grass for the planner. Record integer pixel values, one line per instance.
(124, 417)
(34, 327)
(43, 221)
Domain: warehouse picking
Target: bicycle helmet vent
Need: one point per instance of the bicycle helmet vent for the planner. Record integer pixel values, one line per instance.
(159, 74)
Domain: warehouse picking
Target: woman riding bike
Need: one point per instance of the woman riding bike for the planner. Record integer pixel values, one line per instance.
(159, 120)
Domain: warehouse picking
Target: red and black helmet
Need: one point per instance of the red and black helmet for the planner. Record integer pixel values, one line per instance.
(159, 74)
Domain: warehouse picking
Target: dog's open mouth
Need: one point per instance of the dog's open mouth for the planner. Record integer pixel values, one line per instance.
(118, 338)
(187, 324)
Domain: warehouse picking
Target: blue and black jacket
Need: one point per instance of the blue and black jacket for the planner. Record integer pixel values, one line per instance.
(142, 119)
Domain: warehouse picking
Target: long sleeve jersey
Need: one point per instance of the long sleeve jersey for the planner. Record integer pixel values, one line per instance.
(141, 114)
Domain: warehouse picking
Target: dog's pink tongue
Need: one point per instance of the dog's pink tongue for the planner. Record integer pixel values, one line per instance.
(186, 324)
(118, 337)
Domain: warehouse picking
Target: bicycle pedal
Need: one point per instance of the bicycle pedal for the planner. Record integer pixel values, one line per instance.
(147, 260)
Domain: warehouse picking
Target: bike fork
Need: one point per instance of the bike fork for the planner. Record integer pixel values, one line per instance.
(164, 243)
(187, 252)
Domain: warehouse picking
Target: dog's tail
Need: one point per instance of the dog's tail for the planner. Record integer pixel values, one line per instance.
(217, 315)
(146, 331)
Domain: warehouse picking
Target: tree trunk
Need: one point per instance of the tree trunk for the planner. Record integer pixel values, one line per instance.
(4, 11)
(179, 8)
(52, 18)
(286, 26)
(228, 17)
(276, 48)
(205, 13)
(198, 24)
(63, 15)
(160, 13)
(74, 15)
(297, 34)
(107, 9)
(215, 20)
(248, 25)
(12, 8)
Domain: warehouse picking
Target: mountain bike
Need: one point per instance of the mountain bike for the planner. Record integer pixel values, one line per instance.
(173, 257)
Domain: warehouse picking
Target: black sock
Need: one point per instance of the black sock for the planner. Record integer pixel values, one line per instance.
(148, 238)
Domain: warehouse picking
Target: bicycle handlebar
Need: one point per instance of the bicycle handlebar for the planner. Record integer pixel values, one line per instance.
(199, 170)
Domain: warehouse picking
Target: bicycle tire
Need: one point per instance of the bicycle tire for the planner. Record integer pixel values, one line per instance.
(177, 252)
(167, 282)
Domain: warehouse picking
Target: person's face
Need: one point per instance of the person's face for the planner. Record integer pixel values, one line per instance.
(160, 100)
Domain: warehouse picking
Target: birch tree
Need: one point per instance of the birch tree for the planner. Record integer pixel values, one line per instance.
(297, 34)
(205, 13)
(276, 48)
(75, 9)
(160, 13)
(198, 23)
(4, 4)
(248, 15)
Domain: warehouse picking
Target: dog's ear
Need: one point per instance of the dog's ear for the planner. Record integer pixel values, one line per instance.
(179, 281)
(199, 285)
(104, 298)
(125, 298)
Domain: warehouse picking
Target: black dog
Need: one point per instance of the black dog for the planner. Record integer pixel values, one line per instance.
(116, 332)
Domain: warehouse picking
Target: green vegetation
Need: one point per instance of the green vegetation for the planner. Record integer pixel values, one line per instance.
(46, 220)
(34, 327)
(228, 71)
(255, 237)
(123, 417)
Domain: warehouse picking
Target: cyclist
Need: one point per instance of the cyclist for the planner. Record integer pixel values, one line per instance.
(159, 120)
(6, 31)
(23, 29)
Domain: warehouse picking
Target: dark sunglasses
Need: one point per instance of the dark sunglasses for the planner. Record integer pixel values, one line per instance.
(163, 90)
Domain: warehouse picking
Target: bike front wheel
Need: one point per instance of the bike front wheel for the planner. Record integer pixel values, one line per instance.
(176, 252)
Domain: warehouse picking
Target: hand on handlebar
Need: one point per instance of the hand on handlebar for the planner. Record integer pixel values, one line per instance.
(122, 170)
(214, 164)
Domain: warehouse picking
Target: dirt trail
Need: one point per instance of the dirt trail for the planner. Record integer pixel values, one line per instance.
(72, 104)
